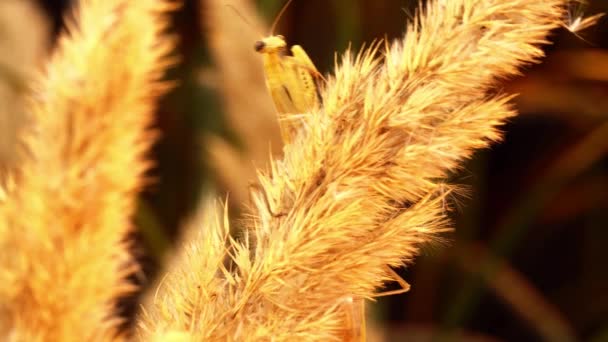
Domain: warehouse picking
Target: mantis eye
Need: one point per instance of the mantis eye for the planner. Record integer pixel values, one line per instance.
(259, 46)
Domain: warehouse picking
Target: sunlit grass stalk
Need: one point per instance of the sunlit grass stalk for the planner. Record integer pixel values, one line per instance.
(64, 259)
(362, 187)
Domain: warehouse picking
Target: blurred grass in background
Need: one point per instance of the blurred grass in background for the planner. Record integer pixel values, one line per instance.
(528, 258)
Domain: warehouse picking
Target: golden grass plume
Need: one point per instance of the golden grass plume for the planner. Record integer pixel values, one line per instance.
(64, 260)
(362, 186)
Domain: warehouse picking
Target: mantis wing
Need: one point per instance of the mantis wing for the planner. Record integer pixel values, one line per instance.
(293, 82)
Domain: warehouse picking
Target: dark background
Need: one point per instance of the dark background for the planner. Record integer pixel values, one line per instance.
(527, 261)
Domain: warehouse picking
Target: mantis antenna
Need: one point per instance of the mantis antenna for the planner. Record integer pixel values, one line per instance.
(236, 11)
(276, 20)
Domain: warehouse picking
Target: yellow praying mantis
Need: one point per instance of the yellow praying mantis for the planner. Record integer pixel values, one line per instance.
(292, 79)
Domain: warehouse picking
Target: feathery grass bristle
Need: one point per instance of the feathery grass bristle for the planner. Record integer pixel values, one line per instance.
(362, 187)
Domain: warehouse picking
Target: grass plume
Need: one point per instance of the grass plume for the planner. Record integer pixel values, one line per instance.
(362, 187)
(64, 258)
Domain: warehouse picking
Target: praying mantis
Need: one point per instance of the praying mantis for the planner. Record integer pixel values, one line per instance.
(292, 80)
